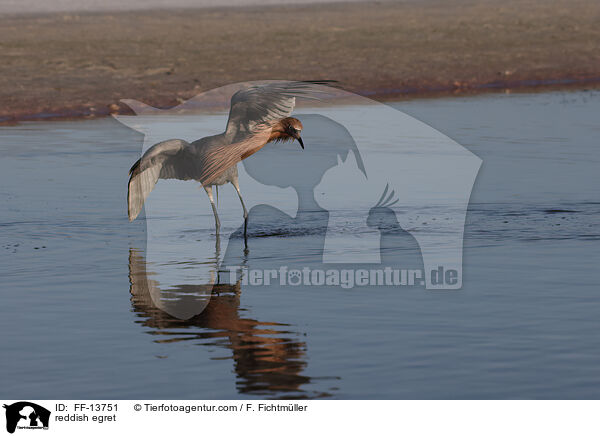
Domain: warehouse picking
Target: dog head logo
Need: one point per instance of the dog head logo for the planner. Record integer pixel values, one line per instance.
(26, 415)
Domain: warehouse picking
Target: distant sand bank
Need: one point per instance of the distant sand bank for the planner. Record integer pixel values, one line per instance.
(81, 64)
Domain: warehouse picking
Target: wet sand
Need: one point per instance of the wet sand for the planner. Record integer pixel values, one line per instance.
(82, 64)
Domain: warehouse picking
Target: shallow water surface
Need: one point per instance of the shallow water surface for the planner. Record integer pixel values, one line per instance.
(79, 285)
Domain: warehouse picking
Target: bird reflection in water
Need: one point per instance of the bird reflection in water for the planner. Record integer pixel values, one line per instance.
(268, 357)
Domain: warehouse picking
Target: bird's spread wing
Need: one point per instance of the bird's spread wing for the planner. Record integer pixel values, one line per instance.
(261, 105)
(165, 160)
(253, 113)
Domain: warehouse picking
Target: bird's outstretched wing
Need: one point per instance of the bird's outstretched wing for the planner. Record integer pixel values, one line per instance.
(261, 105)
(253, 112)
(165, 160)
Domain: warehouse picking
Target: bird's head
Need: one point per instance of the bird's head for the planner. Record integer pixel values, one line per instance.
(287, 129)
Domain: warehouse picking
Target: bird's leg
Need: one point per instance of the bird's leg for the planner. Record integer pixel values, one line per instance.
(236, 185)
(208, 190)
(217, 258)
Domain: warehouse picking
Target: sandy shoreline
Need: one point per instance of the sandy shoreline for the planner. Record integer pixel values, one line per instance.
(82, 64)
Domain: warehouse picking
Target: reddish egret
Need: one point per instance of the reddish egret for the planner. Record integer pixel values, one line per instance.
(258, 115)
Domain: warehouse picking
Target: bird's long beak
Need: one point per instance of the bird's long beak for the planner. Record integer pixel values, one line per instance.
(300, 141)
